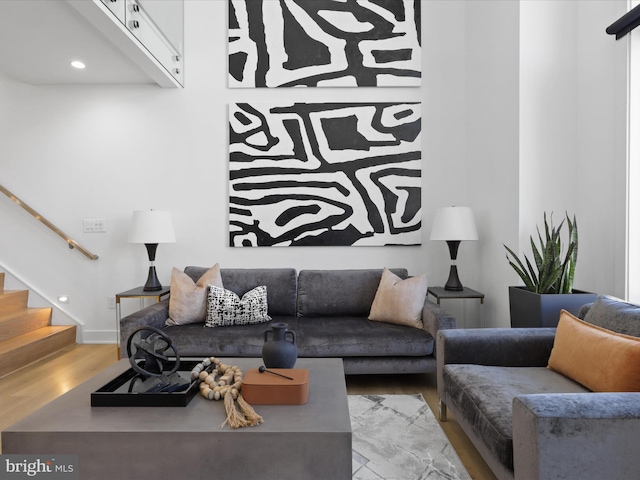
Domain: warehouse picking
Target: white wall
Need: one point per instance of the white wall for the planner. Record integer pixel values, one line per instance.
(548, 112)
(491, 165)
(633, 272)
(104, 151)
(601, 163)
(573, 132)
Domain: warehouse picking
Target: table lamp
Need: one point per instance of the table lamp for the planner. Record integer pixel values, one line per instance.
(454, 224)
(151, 227)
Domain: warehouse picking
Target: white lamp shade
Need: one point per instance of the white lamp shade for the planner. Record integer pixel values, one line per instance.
(151, 226)
(454, 223)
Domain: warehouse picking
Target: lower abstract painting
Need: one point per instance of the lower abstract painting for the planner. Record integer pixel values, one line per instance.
(325, 174)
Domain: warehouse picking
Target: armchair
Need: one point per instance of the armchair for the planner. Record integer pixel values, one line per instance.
(526, 420)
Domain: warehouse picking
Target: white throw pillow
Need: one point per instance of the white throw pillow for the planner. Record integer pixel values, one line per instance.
(225, 308)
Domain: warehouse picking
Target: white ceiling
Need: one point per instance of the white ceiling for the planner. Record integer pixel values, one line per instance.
(39, 39)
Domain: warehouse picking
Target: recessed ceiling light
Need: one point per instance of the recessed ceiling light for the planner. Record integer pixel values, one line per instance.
(78, 64)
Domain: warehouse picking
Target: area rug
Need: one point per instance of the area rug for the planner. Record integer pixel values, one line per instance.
(396, 437)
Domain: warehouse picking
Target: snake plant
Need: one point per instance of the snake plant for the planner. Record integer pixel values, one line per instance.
(552, 270)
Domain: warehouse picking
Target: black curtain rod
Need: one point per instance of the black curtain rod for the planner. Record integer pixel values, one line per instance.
(625, 24)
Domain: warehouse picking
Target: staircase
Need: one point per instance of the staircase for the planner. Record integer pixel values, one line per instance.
(26, 334)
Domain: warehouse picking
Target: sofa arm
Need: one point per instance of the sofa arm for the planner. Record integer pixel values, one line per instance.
(504, 347)
(435, 318)
(154, 315)
(584, 435)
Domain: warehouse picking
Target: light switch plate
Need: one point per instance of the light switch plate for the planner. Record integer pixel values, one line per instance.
(95, 225)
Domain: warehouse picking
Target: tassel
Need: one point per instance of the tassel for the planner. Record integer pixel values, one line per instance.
(221, 386)
(234, 418)
(249, 413)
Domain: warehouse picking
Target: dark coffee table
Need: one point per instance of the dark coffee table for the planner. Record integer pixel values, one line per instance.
(311, 441)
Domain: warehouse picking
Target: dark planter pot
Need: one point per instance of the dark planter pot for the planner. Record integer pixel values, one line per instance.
(529, 309)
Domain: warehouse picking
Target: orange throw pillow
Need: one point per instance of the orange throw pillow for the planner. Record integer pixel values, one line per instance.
(599, 359)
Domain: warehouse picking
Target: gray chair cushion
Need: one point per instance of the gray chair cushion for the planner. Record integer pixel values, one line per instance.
(339, 292)
(615, 314)
(484, 395)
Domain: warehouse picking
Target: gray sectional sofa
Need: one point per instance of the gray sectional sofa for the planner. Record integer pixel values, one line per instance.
(526, 420)
(327, 309)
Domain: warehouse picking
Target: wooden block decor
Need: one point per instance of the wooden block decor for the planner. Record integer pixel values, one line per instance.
(269, 389)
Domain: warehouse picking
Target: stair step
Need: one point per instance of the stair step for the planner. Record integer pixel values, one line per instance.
(13, 301)
(27, 320)
(27, 348)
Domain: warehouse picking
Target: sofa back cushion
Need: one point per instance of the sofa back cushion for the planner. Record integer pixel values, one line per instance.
(338, 292)
(280, 283)
(615, 314)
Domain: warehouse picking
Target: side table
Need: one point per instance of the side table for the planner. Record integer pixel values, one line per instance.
(140, 293)
(440, 293)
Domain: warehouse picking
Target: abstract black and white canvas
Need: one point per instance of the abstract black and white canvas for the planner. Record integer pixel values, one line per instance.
(325, 174)
(324, 43)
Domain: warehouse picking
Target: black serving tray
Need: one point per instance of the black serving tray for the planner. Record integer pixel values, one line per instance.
(116, 392)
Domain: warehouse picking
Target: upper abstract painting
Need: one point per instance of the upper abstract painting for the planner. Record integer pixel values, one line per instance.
(324, 43)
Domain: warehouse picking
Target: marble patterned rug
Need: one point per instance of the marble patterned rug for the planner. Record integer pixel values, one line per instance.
(396, 437)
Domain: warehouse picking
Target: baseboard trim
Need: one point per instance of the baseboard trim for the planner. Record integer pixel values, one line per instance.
(99, 336)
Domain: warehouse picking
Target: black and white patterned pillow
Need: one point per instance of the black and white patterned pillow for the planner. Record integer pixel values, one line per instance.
(225, 308)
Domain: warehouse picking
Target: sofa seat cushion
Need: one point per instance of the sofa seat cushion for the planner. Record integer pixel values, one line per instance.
(316, 337)
(359, 337)
(196, 340)
(484, 396)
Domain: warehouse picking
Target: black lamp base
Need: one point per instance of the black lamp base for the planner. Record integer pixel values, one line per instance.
(153, 284)
(453, 283)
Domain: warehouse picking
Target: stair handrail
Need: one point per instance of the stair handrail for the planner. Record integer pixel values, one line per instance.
(72, 243)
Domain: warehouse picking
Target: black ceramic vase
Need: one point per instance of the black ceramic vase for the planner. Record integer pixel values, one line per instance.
(279, 349)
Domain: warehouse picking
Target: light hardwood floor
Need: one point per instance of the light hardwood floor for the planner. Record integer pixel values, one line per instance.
(32, 387)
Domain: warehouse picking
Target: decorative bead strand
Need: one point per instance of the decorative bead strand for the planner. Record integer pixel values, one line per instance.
(224, 382)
